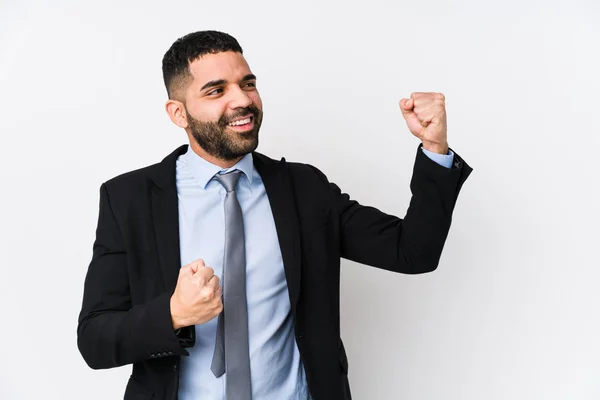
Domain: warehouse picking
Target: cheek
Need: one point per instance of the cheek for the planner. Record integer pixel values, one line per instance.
(208, 112)
(256, 99)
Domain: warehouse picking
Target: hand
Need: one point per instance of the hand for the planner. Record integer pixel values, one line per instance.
(197, 296)
(425, 115)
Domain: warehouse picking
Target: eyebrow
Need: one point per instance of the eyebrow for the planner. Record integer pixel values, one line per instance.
(219, 82)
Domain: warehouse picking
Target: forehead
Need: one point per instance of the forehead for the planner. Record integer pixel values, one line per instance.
(228, 65)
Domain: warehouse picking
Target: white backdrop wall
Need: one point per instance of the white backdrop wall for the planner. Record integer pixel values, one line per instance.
(512, 311)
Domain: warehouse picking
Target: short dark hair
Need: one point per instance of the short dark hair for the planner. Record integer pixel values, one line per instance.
(175, 63)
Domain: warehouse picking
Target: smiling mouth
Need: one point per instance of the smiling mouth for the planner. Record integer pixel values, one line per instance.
(242, 124)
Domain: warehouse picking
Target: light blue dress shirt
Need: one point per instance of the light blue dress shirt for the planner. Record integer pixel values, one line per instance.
(276, 369)
(443, 160)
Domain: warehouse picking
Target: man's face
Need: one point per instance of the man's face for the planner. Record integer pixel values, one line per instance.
(222, 105)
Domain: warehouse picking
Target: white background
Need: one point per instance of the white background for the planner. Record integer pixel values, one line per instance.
(512, 311)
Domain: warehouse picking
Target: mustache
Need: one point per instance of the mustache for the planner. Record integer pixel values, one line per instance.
(240, 112)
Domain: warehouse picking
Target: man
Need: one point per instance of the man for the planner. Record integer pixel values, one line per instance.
(253, 313)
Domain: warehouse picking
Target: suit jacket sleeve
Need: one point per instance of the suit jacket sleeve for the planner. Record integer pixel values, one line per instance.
(111, 331)
(411, 245)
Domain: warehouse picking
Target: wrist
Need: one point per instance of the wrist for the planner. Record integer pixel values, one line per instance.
(176, 318)
(439, 148)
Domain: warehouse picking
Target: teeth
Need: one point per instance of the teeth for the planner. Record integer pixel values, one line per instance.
(240, 122)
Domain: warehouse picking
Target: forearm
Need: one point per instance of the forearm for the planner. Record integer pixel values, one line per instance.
(109, 339)
(428, 219)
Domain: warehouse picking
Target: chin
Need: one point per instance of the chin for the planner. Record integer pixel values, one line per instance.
(248, 139)
(251, 146)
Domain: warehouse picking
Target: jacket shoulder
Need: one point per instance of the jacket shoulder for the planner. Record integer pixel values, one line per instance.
(131, 182)
(307, 173)
(161, 173)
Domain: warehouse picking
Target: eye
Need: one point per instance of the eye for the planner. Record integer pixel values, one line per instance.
(214, 92)
(251, 85)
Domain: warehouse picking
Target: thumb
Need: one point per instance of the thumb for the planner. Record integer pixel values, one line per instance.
(196, 265)
(186, 270)
(406, 106)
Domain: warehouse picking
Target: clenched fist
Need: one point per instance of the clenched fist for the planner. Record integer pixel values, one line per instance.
(197, 296)
(425, 115)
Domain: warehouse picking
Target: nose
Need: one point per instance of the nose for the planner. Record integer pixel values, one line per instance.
(239, 99)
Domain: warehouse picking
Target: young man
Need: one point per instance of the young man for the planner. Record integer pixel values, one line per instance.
(216, 272)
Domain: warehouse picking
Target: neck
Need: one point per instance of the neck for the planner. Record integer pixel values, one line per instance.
(212, 159)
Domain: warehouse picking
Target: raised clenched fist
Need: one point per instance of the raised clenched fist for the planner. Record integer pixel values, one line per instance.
(425, 115)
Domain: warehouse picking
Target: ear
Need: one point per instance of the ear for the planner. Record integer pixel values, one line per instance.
(176, 111)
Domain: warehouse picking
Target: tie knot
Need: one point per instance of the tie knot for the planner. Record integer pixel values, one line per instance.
(229, 180)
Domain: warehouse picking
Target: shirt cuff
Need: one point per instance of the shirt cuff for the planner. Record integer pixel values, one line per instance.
(441, 159)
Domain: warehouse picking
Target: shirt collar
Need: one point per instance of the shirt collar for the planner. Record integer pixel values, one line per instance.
(203, 171)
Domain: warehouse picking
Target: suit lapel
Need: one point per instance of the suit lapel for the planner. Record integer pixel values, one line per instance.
(278, 185)
(165, 216)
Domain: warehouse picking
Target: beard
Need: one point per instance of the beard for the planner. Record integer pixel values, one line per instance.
(213, 137)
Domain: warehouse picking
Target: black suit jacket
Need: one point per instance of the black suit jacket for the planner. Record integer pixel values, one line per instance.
(125, 316)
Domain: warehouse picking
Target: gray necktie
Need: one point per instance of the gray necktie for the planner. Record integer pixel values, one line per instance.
(231, 347)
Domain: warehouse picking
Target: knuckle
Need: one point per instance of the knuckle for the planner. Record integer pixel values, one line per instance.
(440, 96)
(206, 294)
